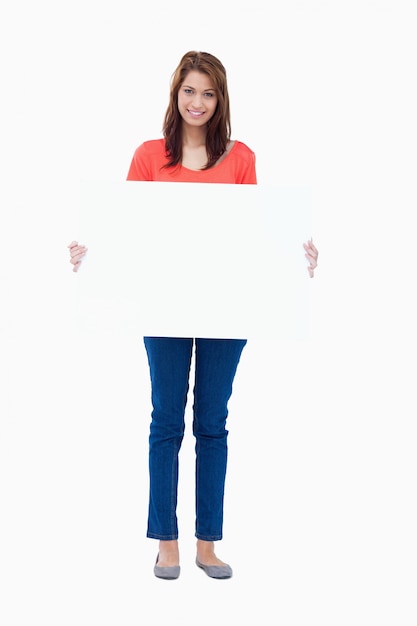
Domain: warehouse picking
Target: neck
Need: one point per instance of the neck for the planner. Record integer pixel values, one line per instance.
(194, 137)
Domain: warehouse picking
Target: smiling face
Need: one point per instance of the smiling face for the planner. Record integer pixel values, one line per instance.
(197, 99)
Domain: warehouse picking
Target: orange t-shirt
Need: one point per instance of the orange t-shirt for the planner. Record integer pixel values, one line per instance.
(237, 167)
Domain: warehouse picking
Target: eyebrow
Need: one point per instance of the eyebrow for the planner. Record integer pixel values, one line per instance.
(190, 87)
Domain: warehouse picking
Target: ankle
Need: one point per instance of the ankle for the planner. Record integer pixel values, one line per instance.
(168, 546)
(205, 547)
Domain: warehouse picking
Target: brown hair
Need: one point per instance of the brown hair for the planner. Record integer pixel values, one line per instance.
(218, 127)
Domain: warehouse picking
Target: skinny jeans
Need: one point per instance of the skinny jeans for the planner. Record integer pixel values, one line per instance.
(216, 361)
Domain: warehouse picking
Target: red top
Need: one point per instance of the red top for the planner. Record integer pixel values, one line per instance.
(237, 167)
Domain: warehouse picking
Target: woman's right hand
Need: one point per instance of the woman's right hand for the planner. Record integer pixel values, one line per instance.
(77, 254)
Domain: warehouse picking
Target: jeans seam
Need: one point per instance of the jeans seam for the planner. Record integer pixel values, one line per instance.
(174, 489)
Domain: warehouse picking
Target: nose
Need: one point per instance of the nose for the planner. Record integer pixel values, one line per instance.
(196, 101)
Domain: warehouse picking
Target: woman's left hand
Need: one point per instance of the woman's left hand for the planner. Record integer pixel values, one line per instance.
(311, 255)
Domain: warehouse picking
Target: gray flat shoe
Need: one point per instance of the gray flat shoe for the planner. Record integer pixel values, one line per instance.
(168, 573)
(216, 571)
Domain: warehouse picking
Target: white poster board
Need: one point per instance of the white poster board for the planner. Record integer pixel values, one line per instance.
(194, 260)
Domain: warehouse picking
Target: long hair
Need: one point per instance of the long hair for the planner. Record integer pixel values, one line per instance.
(218, 127)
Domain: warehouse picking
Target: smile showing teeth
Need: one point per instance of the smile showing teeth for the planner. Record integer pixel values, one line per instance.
(195, 113)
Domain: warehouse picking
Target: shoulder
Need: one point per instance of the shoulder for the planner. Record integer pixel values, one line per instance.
(242, 151)
(151, 148)
(238, 164)
(242, 147)
(147, 160)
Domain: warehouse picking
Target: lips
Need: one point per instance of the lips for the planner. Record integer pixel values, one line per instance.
(195, 113)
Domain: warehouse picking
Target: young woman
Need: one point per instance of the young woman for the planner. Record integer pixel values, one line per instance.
(196, 147)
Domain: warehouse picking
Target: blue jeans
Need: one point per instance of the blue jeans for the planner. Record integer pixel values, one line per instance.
(216, 361)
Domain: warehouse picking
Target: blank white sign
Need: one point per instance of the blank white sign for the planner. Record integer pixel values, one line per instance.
(194, 260)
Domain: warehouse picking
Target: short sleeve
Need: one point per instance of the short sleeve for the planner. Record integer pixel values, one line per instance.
(139, 167)
(249, 171)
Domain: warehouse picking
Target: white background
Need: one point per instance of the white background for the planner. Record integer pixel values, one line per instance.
(320, 506)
